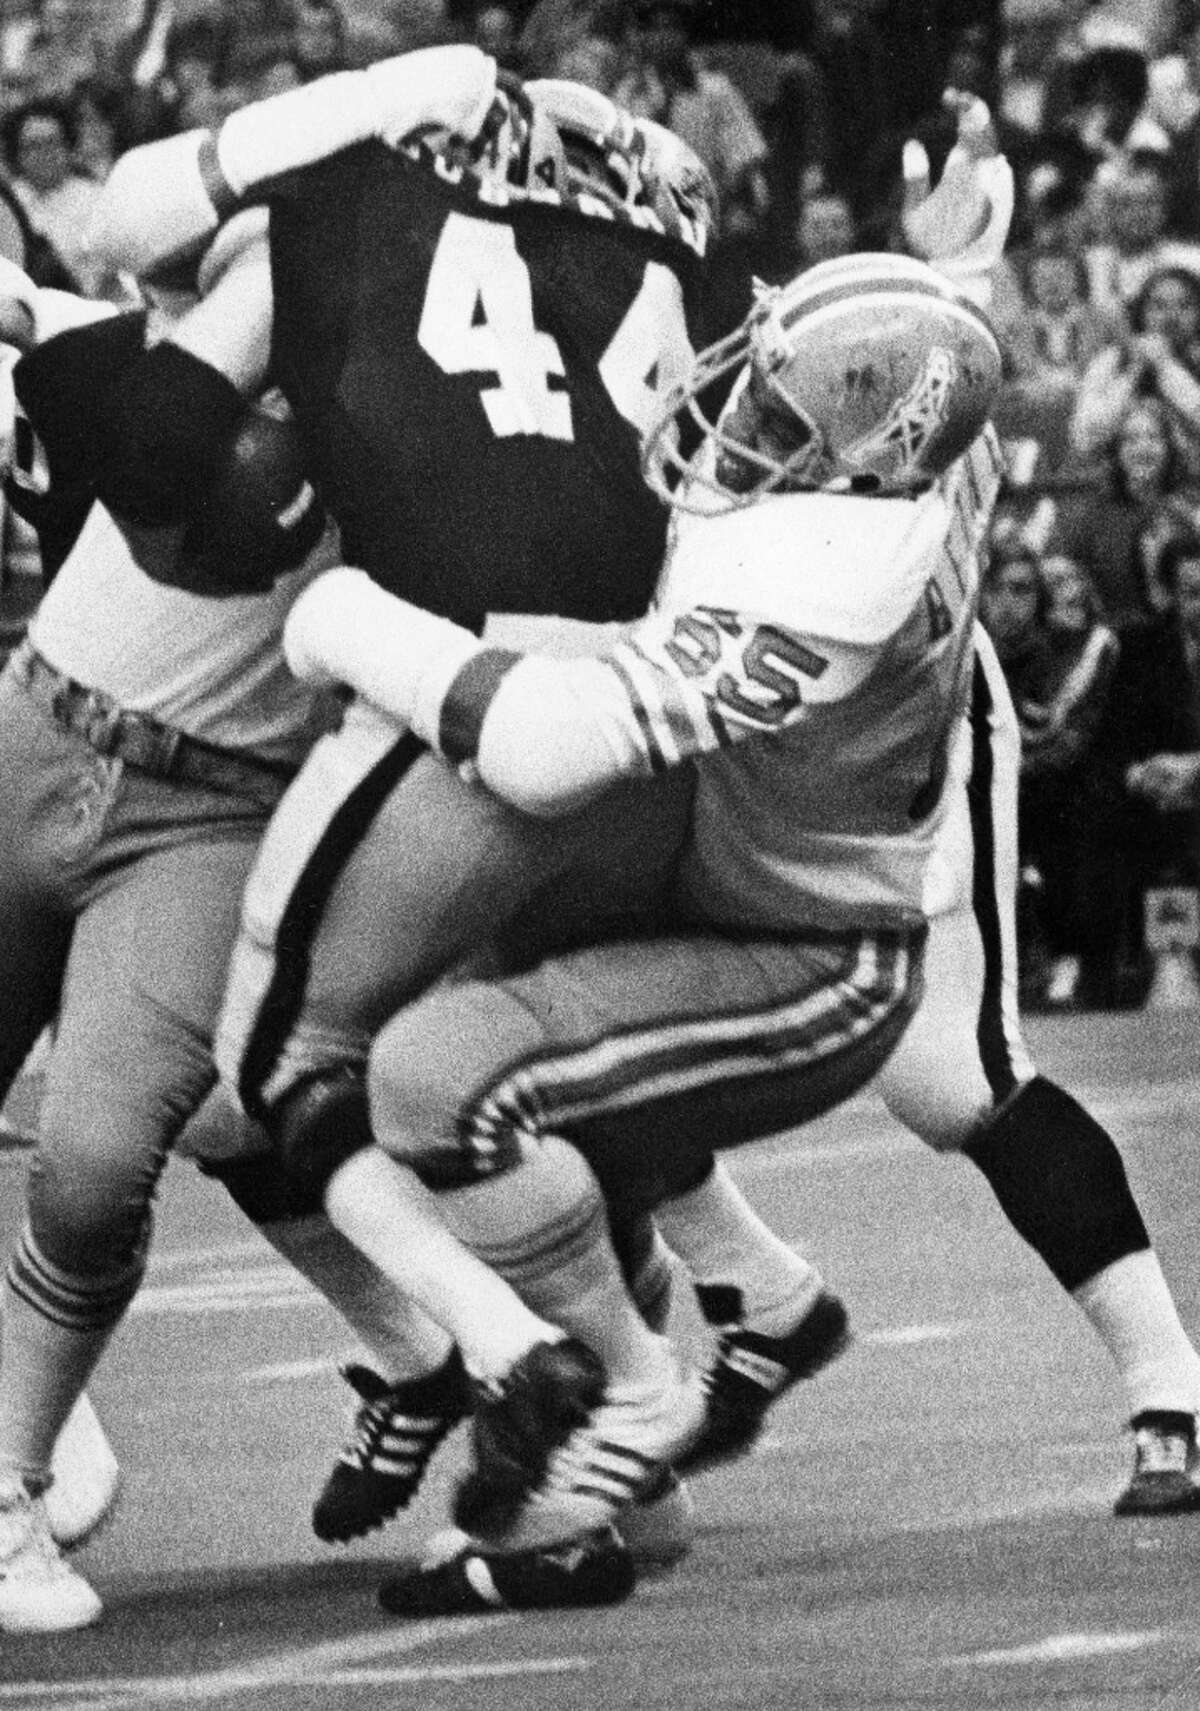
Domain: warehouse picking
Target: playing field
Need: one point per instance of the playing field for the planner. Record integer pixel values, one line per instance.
(927, 1525)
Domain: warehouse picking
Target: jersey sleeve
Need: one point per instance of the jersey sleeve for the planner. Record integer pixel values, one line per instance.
(552, 734)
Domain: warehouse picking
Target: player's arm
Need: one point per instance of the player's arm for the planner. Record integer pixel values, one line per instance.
(547, 735)
(162, 197)
(181, 406)
(218, 481)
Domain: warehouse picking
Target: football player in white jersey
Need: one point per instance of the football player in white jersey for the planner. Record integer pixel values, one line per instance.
(812, 644)
(741, 668)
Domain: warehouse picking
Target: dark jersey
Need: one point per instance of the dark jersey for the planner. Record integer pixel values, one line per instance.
(64, 388)
(472, 379)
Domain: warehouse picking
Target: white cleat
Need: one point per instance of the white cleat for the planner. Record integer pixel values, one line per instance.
(85, 1478)
(40, 1593)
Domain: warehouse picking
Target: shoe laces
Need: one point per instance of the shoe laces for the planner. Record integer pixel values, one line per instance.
(1160, 1450)
(25, 1535)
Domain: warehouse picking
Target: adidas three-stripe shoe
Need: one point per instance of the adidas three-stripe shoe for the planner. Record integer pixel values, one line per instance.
(1166, 1466)
(589, 1481)
(397, 1429)
(752, 1372)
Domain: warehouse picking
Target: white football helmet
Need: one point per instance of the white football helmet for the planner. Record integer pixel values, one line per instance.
(884, 371)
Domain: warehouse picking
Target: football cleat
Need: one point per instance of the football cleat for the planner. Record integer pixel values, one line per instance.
(397, 1429)
(592, 1478)
(518, 1426)
(85, 1478)
(590, 1571)
(752, 1372)
(40, 1593)
(1165, 1466)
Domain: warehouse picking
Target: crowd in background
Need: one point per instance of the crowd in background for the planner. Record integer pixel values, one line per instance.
(800, 109)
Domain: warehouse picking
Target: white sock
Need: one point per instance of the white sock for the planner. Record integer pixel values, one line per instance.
(401, 1341)
(723, 1241)
(543, 1226)
(1130, 1307)
(393, 1219)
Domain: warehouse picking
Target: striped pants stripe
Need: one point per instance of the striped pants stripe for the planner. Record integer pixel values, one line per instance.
(964, 1054)
(645, 1053)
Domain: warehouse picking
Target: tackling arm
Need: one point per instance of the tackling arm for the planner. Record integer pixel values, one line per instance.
(547, 735)
(163, 197)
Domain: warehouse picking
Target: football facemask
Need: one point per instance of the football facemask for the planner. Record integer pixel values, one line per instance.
(866, 374)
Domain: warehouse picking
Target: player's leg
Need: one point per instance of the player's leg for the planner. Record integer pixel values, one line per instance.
(382, 869)
(633, 1050)
(131, 1060)
(962, 1079)
(56, 797)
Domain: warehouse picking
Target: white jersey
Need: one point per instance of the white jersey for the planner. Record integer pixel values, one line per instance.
(213, 668)
(812, 652)
(842, 629)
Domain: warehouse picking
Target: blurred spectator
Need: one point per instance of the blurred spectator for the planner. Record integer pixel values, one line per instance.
(58, 50)
(1133, 241)
(825, 227)
(1105, 87)
(320, 38)
(1057, 821)
(1160, 358)
(39, 140)
(1057, 331)
(1150, 749)
(495, 32)
(97, 134)
(178, 77)
(1163, 734)
(1119, 526)
(1012, 608)
(851, 62)
(794, 120)
(1183, 173)
(666, 81)
(593, 60)
(555, 29)
(246, 35)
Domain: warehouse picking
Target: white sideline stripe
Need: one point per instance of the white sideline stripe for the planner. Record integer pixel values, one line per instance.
(287, 1371)
(451, 1672)
(905, 1336)
(296, 1667)
(1067, 1648)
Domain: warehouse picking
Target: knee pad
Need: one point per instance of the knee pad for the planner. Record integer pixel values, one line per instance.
(1060, 1182)
(259, 1188)
(316, 1127)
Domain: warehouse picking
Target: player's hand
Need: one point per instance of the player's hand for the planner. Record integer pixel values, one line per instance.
(966, 219)
(314, 627)
(447, 89)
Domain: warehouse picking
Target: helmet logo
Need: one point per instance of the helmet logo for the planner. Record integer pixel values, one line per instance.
(913, 420)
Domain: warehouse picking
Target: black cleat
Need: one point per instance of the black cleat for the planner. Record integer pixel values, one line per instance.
(397, 1428)
(1165, 1466)
(549, 1393)
(751, 1372)
(589, 1571)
